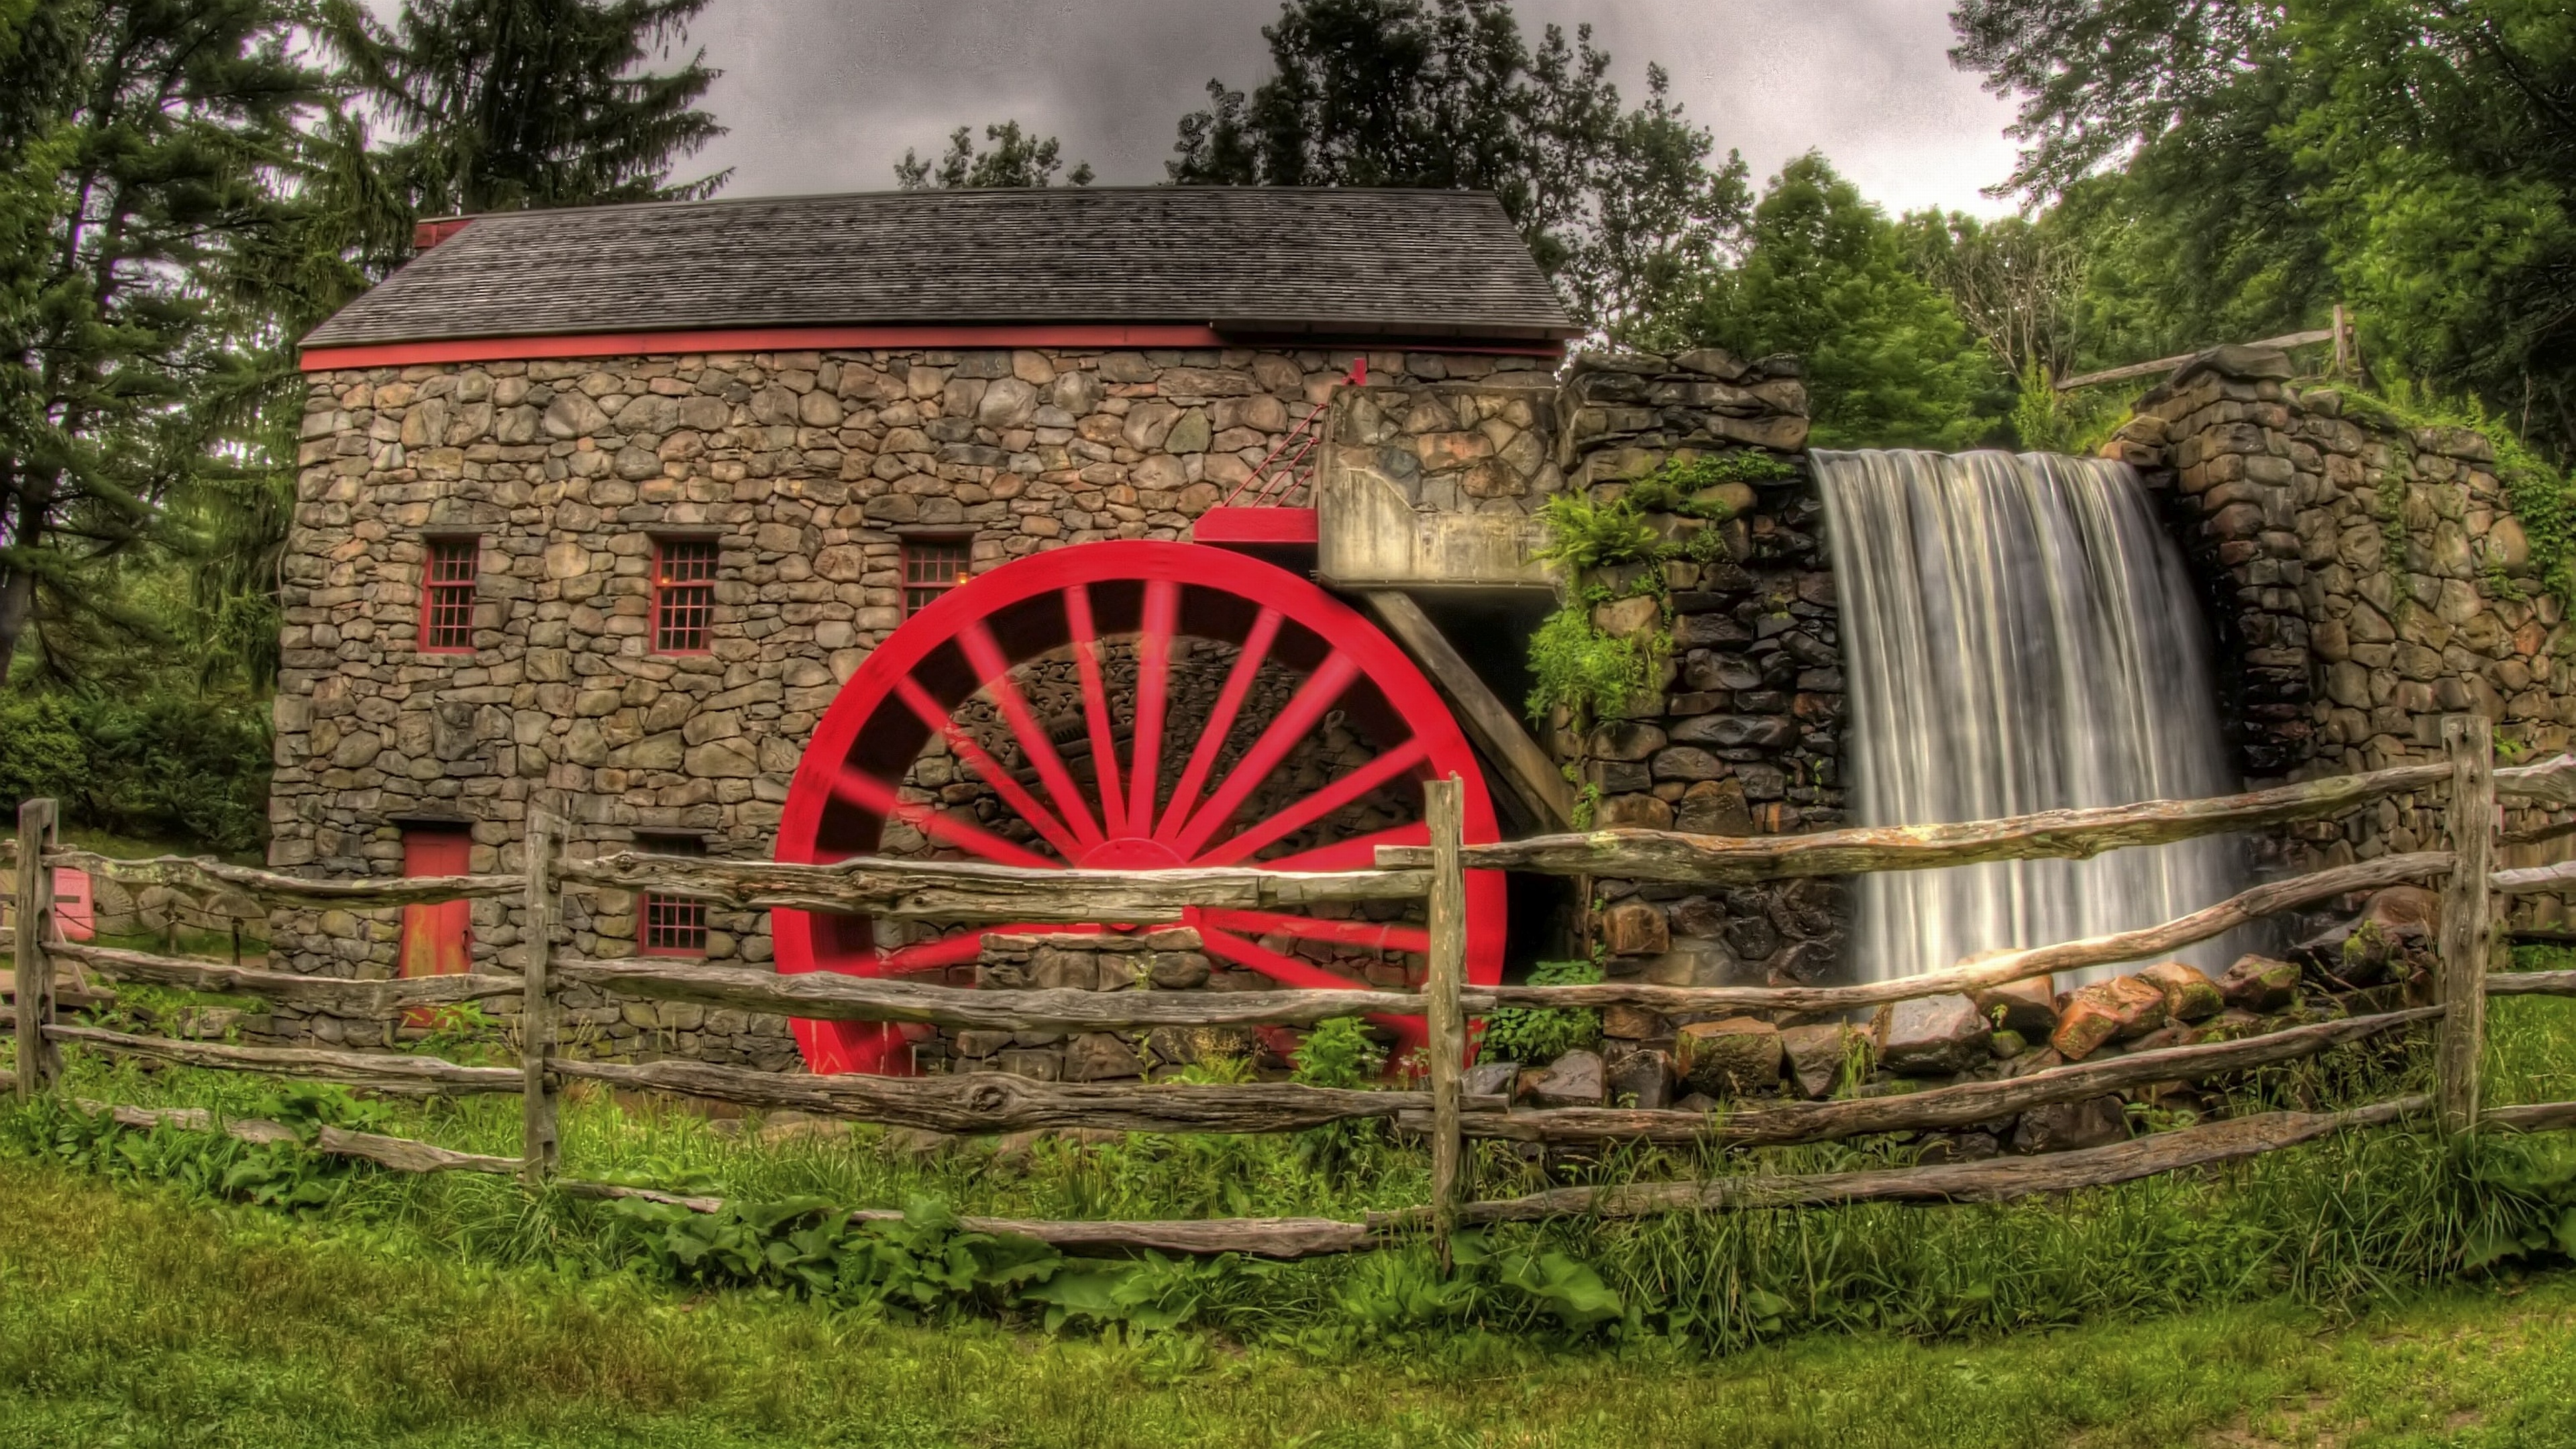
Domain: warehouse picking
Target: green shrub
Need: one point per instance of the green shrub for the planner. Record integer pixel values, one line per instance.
(1541, 1034)
(165, 766)
(1588, 535)
(1591, 673)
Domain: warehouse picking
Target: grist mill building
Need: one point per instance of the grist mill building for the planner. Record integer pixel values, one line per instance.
(1105, 526)
(1143, 527)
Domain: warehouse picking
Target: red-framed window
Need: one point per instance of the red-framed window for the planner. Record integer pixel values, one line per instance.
(684, 594)
(447, 595)
(668, 925)
(931, 567)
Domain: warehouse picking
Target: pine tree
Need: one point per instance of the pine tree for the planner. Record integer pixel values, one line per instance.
(502, 105)
(141, 146)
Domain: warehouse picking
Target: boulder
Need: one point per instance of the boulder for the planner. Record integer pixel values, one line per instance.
(1931, 1036)
(1821, 1056)
(1630, 1023)
(1572, 1080)
(1643, 1079)
(1492, 1079)
(2066, 1126)
(2028, 1007)
(1734, 1057)
(2259, 984)
(1099, 1056)
(2189, 993)
(1699, 1102)
(1636, 928)
(2121, 1007)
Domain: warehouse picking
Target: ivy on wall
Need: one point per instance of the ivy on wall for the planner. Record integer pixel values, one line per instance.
(1615, 550)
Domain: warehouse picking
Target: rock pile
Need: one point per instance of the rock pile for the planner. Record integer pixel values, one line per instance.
(2379, 961)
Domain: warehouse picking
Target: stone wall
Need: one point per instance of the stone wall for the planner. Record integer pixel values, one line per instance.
(807, 468)
(2363, 579)
(1744, 737)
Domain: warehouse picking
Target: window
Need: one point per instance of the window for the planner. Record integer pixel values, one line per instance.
(684, 594)
(931, 567)
(667, 925)
(447, 596)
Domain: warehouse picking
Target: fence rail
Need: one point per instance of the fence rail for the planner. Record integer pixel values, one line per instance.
(1444, 1111)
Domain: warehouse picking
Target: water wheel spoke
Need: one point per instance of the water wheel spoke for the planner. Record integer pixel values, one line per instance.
(1376, 935)
(1220, 723)
(879, 798)
(1004, 783)
(1326, 685)
(1095, 707)
(985, 654)
(1357, 853)
(1304, 812)
(1153, 696)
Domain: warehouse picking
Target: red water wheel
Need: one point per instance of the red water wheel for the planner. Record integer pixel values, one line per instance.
(1131, 705)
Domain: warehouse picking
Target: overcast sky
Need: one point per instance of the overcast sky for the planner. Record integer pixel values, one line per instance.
(825, 95)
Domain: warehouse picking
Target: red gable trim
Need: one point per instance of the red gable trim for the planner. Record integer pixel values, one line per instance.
(806, 339)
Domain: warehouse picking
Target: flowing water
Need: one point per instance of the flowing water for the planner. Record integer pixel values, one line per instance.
(2019, 635)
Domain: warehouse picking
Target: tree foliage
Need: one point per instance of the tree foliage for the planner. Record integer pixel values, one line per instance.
(503, 105)
(1015, 158)
(1826, 276)
(1621, 206)
(2239, 167)
(137, 205)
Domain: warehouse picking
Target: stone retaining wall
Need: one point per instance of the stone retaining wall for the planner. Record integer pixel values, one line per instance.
(2363, 580)
(1744, 738)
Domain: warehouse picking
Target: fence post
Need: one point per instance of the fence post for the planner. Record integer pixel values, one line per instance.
(1447, 1019)
(38, 1061)
(537, 1003)
(2468, 931)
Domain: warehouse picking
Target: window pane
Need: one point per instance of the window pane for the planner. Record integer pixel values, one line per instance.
(684, 594)
(931, 567)
(673, 927)
(447, 594)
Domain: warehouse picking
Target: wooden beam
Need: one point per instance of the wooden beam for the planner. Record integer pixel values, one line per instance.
(1526, 768)
(983, 1102)
(2168, 364)
(38, 1062)
(338, 996)
(2471, 939)
(2536, 1117)
(1667, 855)
(974, 892)
(2531, 983)
(829, 996)
(537, 1005)
(2000, 967)
(1447, 1020)
(382, 1071)
(1764, 1124)
(1994, 1180)
(205, 875)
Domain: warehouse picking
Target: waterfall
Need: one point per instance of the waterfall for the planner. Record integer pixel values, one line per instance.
(2019, 635)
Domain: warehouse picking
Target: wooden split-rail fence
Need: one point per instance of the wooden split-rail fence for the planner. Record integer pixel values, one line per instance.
(2471, 946)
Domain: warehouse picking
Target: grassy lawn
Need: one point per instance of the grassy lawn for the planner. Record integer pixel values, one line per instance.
(129, 1318)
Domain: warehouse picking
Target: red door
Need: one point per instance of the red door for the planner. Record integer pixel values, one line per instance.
(74, 912)
(435, 938)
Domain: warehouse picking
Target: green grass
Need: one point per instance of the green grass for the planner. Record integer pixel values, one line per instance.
(2322, 1292)
(131, 1318)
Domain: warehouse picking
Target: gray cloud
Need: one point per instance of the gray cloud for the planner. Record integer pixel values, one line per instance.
(824, 96)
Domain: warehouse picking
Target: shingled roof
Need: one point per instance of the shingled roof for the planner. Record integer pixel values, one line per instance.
(1247, 261)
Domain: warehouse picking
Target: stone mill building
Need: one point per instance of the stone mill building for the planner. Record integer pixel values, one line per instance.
(1135, 527)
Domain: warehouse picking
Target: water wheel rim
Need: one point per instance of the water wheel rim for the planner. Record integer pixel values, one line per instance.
(1002, 618)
